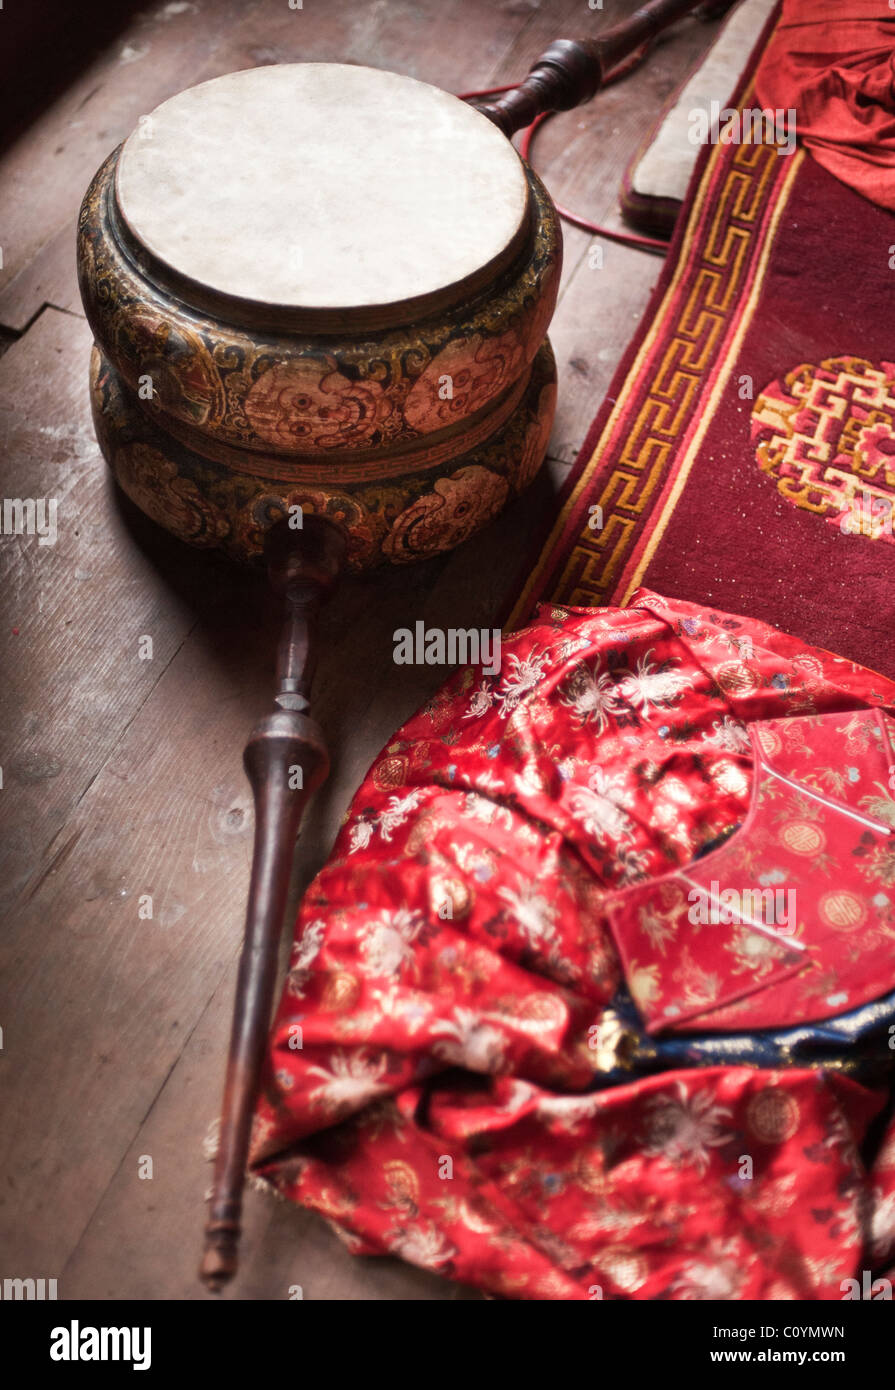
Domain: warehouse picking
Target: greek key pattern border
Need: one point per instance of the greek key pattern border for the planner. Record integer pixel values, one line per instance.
(645, 437)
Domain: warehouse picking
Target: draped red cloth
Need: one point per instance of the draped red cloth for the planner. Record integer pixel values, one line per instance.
(446, 1077)
(834, 64)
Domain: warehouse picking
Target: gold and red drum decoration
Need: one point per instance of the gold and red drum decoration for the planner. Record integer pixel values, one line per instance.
(321, 286)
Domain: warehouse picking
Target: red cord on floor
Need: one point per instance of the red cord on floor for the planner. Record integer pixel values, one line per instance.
(641, 243)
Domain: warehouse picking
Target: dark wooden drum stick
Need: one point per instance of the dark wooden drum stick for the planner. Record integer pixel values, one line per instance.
(285, 761)
(572, 71)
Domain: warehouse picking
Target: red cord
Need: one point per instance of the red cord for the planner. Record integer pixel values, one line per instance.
(642, 243)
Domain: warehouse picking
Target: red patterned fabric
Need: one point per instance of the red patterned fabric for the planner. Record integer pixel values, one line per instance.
(435, 1067)
(835, 65)
(813, 840)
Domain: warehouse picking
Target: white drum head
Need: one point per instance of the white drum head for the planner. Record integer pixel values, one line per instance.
(322, 187)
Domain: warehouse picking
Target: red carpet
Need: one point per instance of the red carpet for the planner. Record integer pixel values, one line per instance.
(754, 411)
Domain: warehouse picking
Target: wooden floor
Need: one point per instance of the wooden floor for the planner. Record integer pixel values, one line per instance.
(121, 776)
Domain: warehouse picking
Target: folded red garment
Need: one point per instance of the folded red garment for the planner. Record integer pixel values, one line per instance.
(835, 66)
(437, 1080)
(783, 920)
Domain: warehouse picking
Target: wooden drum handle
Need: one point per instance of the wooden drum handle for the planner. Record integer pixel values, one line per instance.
(285, 760)
(571, 71)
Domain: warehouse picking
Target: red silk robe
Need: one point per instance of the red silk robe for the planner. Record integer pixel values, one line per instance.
(835, 66)
(437, 1081)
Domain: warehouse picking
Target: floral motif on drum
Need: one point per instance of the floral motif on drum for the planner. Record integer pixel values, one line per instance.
(463, 378)
(397, 519)
(311, 404)
(152, 482)
(447, 515)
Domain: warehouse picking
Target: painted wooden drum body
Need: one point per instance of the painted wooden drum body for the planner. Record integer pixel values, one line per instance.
(320, 286)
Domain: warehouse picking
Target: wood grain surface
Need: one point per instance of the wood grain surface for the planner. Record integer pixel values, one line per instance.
(121, 772)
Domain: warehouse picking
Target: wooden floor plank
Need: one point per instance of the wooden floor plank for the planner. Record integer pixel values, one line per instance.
(144, 1238)
(72, 613)
(49, 278)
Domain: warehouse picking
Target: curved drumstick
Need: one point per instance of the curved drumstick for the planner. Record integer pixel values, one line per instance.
(571, 71)
(303, 566)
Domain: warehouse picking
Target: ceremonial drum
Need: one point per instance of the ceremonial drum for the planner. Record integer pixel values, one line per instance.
(321, 287)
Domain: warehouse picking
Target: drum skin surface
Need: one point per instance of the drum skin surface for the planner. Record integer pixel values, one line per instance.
(322, 187)
(410, 420)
